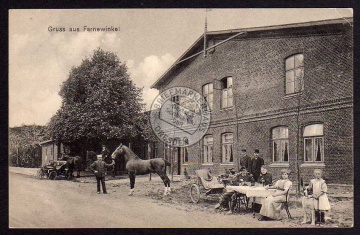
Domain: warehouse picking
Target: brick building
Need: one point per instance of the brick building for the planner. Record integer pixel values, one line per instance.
(286, 90)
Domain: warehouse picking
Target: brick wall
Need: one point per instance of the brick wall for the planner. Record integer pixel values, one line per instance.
(257, 67)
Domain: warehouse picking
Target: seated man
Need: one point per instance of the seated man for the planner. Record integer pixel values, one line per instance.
(265, 177)
(239, 178)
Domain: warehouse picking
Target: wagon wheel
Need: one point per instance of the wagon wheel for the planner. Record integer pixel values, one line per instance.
(52, 175)
(195, 193)
(39, 174)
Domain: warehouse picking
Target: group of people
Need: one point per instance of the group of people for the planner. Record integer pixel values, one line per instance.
(251, 164)
(252, 169)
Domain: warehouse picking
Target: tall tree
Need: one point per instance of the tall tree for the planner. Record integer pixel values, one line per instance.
(99, 102)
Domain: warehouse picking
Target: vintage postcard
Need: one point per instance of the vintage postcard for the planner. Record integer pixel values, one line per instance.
(181, 118)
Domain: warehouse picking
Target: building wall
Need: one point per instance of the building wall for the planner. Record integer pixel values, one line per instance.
(50, 150)
(257, 67)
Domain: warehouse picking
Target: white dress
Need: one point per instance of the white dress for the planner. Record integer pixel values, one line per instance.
(271, 206)
(318, 186)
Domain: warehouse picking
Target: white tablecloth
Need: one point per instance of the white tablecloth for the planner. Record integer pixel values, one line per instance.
(250, 191)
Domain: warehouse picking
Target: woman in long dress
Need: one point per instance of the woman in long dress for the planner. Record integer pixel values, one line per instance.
(271, 206)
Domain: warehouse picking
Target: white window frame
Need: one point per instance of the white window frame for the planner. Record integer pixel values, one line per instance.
(313, 152)
(184, 152)
(209, 95)
(224, 147)
(282, 141)
(297, 71)
(208, 148)
(313, 147)
(227, 97)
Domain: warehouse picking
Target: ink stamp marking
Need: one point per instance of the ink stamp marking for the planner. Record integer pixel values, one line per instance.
(180, 116)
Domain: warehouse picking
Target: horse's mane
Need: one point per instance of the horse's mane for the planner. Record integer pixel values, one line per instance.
(129, 151)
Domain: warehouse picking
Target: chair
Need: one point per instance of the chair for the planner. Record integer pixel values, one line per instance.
(239, 199)
(285, 205)
(204, 181)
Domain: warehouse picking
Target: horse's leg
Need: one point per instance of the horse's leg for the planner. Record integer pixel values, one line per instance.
(163, 178)
(132, 183)
(168, 183)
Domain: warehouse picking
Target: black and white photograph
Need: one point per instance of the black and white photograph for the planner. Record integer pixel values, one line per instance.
(181, 118)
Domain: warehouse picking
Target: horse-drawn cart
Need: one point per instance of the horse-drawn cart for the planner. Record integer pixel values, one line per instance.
(205, 184)
(53, 170)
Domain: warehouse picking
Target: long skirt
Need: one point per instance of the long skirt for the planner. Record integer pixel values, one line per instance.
(271, 207)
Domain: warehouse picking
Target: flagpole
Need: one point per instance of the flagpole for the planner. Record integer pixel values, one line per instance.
(205, 30)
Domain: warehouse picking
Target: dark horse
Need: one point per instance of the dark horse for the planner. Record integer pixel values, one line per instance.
(74, 163)
(136, 166)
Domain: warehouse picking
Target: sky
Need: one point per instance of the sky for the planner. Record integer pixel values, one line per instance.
(149, 42)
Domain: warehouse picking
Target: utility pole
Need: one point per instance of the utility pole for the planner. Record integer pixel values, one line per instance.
(297, 160)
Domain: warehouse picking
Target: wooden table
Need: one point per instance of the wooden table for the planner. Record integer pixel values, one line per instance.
(251, 192)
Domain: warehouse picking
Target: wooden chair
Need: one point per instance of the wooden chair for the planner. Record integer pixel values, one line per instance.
(240, 199)
(285, 205)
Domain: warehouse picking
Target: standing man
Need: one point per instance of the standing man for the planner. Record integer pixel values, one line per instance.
(256, 164)
(245, 161)
(106, 157)
(99, 168)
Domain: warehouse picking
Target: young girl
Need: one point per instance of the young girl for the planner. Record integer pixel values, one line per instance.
(319, 187)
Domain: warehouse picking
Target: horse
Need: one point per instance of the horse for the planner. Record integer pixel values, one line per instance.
(136, 166)
(74, 163)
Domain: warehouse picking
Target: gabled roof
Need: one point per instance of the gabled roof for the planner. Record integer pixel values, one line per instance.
(231, 32)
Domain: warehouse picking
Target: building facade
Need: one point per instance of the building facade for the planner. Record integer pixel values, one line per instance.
(286, 90)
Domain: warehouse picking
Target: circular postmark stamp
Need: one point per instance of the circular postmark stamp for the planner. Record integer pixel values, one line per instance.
(180, 116)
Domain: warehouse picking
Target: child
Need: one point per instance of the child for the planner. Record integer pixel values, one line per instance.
(321, 202)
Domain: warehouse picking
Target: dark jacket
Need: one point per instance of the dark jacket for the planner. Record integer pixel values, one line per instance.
(245, 161)
(267, 178)
(100, 166)
(239, 177)
(256, 164)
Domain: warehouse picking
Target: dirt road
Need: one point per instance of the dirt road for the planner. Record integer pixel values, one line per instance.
(37, 203)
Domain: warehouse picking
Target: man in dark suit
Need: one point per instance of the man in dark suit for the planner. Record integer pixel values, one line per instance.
(245, 161)
(99, 169)
(265, 177)
(256, 164)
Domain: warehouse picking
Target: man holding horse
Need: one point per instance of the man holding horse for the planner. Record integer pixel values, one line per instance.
(99, 169)
(106, 157)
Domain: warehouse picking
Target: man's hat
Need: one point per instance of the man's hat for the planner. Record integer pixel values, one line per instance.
(104, 145)
(243, 150)
(257, 151)
(99, 155)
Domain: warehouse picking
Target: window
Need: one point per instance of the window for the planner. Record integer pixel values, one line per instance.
(208, 94)
(227, 148)
(294, 66)
(208, 144)
(227, 92)
(314, 143)
(280, 144)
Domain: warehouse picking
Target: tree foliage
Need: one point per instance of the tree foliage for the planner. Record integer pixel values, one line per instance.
(24, 144)
(99, 102)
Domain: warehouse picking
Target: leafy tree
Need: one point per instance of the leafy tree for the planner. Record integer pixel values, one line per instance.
(24, 145)
(99, 102)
